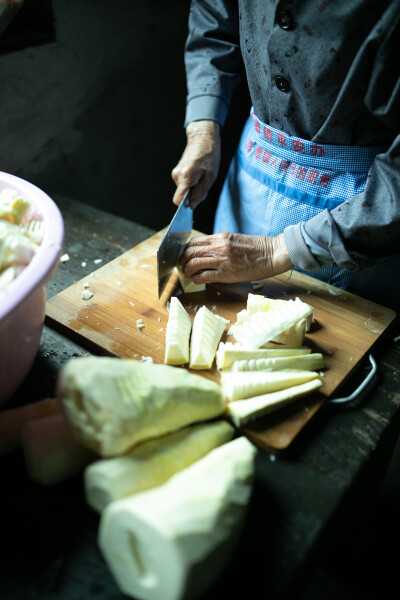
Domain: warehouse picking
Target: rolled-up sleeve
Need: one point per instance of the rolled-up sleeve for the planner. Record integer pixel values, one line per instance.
(324, 246)
(213, 60)
(362, 231)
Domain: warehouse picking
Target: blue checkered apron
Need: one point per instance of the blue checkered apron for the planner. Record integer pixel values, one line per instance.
(275, 180)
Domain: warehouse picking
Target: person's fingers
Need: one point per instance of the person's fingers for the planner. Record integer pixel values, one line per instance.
(186, 177)
(200, 185)
(198, 194)
(213, 276)
(207, 240)
(175, 173)
(193, 250)
(211, 246)
(210, 240)
(199, 164)
(179, 194)
(203, 240)
(200, 191)
(200, 263)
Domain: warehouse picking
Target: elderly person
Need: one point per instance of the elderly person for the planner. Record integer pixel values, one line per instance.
(315, 182)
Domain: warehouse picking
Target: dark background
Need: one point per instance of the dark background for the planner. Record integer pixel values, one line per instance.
(92, 104)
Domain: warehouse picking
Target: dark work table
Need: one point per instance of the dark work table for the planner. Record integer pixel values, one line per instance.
(311, 505)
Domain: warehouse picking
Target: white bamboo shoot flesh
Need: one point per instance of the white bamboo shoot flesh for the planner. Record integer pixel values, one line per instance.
(112, 404)
(12, 206)
(177, 334)
(238, 386)
(256, 303)
(206, 334)
(228, 353)
(294, 335)
(308, 362)
(171, 542)
(264, 326)
(243, 411)
(188, 285)
(151, 463)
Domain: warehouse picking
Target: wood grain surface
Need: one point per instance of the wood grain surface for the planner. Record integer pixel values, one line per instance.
(344, 330)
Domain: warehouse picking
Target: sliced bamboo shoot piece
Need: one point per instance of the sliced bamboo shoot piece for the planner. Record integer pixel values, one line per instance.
(294, 335)
(256, 303)
(12, 206)
(228, 353)
(308, 362)
(188, 285)
(243, 411)
(237, 386)
(262, 327)
(177, 334)
(206, 334)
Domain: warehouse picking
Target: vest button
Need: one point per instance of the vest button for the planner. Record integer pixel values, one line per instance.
(284, 19)
(282, 84)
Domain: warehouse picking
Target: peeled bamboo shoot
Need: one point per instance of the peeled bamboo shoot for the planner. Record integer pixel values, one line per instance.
(308, 362)
(113, 404)
(228, 353)
(151, 463)
(238, 386)
(171, 542)
(242, 411)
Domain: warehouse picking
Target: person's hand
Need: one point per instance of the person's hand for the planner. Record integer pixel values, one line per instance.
(199, 165)
(234, 257)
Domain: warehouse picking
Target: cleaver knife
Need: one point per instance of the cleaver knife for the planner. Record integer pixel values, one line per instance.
(173, 242)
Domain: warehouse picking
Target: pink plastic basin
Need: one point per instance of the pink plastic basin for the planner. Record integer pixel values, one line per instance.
(23, 302)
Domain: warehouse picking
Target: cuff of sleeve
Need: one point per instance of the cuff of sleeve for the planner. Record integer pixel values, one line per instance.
(212, 108)
(321, 255)
(299, 252)
(322, 229)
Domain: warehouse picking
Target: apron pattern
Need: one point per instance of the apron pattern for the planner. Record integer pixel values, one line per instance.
(276, 180)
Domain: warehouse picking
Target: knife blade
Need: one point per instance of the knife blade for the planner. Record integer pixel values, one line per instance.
(175, 238)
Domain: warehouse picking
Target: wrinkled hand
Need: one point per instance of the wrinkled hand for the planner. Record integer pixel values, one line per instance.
(199, 165)
(233, 257)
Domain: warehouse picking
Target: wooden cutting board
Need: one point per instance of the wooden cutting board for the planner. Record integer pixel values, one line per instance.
(345, 326)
